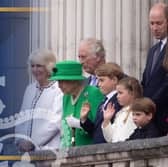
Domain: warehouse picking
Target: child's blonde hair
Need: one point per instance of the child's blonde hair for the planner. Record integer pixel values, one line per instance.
(132, 85)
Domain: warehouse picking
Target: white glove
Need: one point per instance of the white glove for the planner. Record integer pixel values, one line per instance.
(73, 122)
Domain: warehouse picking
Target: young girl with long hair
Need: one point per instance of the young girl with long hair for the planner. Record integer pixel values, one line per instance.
(123, 126)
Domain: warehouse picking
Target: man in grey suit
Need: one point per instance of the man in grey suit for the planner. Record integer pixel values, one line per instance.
(91, 55)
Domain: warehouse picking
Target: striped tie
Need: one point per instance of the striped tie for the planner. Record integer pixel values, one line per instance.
(156, 56)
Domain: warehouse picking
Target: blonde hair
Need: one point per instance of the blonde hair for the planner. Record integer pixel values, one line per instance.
(43, 57)
(132, 85)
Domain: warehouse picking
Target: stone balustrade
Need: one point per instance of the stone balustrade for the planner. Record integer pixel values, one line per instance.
(137, 153)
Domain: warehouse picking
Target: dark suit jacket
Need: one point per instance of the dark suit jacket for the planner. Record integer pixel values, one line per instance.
(155, 86)
(148, 131)
(94, 129)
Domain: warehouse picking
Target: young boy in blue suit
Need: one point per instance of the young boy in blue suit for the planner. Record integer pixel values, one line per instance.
(108, 75)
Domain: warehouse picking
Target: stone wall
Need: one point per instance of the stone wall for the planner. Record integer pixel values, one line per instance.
(122, 25)
(137, 153)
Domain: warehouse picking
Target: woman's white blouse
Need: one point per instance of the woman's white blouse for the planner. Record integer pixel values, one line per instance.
(122, 127)
(42, 112)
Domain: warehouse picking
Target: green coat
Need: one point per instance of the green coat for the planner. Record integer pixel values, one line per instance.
(94, 97)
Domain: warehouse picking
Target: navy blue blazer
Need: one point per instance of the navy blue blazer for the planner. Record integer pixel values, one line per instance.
(148, 131)
(155, 86)
(94, 129)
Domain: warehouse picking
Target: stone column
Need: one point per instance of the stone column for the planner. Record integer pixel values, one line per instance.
(122, 25)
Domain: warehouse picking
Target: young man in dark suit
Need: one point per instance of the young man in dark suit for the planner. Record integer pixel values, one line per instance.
(155, 76)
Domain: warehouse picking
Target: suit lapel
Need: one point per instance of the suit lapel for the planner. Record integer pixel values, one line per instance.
(160, 60)
(99, 117)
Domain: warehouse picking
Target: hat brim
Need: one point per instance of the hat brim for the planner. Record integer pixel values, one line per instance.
(67, 78)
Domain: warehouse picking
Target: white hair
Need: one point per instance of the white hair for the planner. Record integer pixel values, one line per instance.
(96, 46)
(43, 57)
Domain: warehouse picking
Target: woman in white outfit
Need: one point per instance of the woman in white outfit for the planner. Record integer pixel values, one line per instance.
(40, 118)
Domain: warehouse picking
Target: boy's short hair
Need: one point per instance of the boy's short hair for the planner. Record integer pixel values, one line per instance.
(110, 70)
(145, 105)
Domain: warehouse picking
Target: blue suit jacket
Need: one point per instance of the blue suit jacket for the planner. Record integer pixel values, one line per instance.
(148, 131)
(94, 129)
(155, 86)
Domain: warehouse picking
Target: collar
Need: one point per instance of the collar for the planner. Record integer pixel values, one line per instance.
(93, 76)
(93, 80)
(109, 96)
(164, 41)
(145, 126)
(44, 87)
(74, 100)
(126, 108)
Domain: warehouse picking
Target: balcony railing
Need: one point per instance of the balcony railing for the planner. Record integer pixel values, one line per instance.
(136, 153)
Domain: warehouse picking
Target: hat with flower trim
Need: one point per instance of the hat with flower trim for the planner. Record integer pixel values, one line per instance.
(67, 70)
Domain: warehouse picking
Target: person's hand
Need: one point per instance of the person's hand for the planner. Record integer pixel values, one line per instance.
(73, 122)
(25, 146)
(108, 114)
(84, 111)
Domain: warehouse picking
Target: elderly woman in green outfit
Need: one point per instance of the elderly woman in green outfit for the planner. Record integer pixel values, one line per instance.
(76, 92)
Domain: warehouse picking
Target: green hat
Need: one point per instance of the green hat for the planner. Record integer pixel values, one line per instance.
(67, 70)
